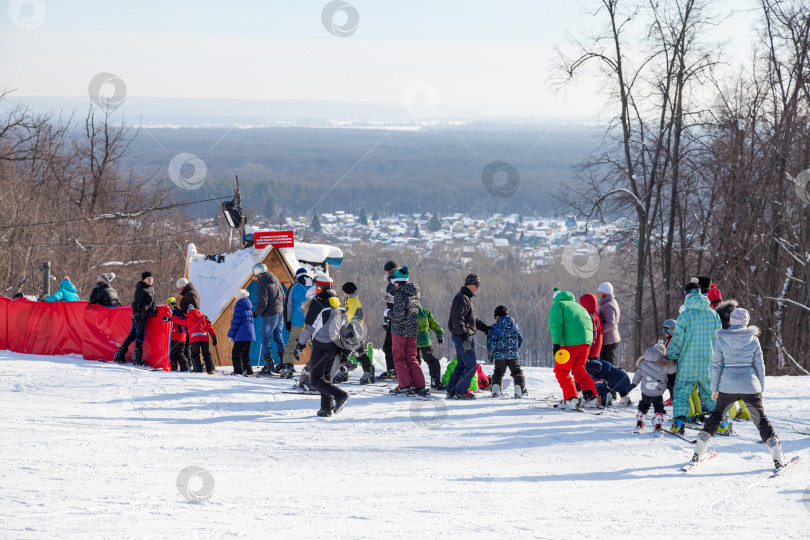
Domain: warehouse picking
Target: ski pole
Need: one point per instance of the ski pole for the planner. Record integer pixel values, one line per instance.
(216, 349)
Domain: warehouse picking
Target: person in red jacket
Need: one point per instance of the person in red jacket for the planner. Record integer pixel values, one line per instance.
(177, 354)
(591, 304)
(199, 330)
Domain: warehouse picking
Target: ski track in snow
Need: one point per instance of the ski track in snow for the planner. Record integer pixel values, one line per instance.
(89, 449)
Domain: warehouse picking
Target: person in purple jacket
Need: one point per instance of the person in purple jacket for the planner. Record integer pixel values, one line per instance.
(242, 334)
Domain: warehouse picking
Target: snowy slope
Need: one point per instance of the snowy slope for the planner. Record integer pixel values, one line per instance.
(95, 450)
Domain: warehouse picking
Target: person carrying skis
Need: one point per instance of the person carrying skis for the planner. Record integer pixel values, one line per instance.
(325, 352)
(65, 293)
(738, 372)
(424, 347)
(503, 342)
(572, 330)
(242, 333)
(404, 317)
(651, 373)
(354, 312)
(177, 350)
(390, 368)
(143, 304)
(270, 307)
(692, 346)
(463, 326)
(199, 330)
(103, 294)
(294, 319)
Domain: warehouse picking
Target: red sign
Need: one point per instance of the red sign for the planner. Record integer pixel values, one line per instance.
(277, 239)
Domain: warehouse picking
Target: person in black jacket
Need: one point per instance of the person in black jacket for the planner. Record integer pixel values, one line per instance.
(103, 294)
(388, 350)
(463, 325)
(189, 299)
(142, 305)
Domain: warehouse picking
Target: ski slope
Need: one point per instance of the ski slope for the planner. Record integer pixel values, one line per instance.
(95, 450)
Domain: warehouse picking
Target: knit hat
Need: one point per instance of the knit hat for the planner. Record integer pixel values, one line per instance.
(715, 296)
(691, 287)
(555, 292)
(739, 317)
(704, 282)
(66, 278)
(472, 279)
(241, 293)
(390, 265)
(403, 274)
(181, 283)
(107, 278)
(656, 352)
(349, 288)
(606, 288)
(501, 311)
(145, 275)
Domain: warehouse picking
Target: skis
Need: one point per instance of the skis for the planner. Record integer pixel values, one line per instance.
(804, 431)
(592, 412)
(680, 436)
(779, 472)
(142, 368)
(710, 454)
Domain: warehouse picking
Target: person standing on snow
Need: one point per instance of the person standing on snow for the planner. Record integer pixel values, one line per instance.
(503, 342)
(652, 370)
(103, 294)
(189, 299)
(610, 314)
(591, 305)
(354, 312)
(463, 326)
(572, 330)
(270, 307)
(692, 345)
(424, 347)
(143, 304)
(390, 368)
(242, 334)
(294, 319)
(404, 317)
(66, 292)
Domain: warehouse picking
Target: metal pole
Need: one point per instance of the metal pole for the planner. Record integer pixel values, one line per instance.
(46, 278)
(239, 206)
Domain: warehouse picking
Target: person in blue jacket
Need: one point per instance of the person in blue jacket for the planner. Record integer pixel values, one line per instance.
(294, 319)
(66, 292)
(612, 379)
(242, 334)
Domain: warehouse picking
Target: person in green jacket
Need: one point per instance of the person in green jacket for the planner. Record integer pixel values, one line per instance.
(424, 347)
(66, 292)
(572, 330)
(692, 345)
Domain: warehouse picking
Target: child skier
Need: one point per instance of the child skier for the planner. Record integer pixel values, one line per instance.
(609, 378)
(738, 372)
(424, 346)
(242, 333)
(199, 330)
(503, 341)
(177, 354)
(651, 372)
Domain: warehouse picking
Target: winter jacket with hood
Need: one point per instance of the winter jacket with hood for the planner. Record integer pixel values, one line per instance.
(144, 301)
(737, 365)
(199, 327)
(615, 378)
(504, 339)
(190, 298)
(427, 323)
(569, 322)
(651, 374)
(294, 304)
(327, 298)
(609, 313)
(104, 295)
(269, 296)
(179, 322)
(66, 293)
(242, 323)
(590, 303)
(462, 322)
(692, 343)
(405, 313)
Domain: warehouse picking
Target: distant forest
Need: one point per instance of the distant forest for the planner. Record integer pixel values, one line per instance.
(299, 171)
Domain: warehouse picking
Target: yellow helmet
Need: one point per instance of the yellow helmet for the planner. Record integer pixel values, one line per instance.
(172, 301)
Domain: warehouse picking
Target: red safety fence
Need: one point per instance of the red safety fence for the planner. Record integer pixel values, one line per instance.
(93, 331)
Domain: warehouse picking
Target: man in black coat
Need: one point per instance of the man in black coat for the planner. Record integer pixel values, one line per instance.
(103, 294)
(463, 325)
(142, 305)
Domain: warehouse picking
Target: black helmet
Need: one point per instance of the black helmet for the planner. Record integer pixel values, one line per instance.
(352, 334)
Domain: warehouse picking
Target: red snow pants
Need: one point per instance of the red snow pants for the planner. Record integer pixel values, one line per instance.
(409, 372)
(575, 365)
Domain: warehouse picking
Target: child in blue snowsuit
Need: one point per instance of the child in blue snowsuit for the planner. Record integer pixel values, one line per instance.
(503, 341)
(609, 378)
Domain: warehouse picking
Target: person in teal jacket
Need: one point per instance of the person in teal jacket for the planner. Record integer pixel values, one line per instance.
(692, 345)
(66, 292)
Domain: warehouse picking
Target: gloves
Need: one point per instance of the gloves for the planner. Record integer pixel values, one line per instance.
(288, 326)
(556, 348)
(153, 311)
(297, 353)
(254, 315)
(387, 298)
(467, 344)
(231, 340)
(386, 323)
(214, 340)
(440, 339)
(489, 357)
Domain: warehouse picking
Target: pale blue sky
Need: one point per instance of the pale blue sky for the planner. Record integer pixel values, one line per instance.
(493, 58)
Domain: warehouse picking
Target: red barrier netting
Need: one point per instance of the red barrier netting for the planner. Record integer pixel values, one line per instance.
(95, 332)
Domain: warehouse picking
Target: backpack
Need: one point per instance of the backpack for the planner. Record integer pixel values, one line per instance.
(336, 321)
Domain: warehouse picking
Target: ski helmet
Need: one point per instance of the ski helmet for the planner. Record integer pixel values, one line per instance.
(172, 301)
(323, 281)
(669, 326)
(259, 269)
(351, 334)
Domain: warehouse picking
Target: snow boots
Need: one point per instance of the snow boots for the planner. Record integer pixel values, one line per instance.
(626, 401)
(422, 392)
(679, 425)
(387, 375)
(137, 358)
(468, 395)
(120, 356)
(639, 422)
(400, 390)
(436, 384)
(658, 422)
(325, 412)
(570, 403)
(701, 445)
(287, 371)
(775, 447)
(340, 403)
(520, 392)
(368, 377)
(268, 367)
(496, 390)
(341, 376)
(590, 400)
(304, 382)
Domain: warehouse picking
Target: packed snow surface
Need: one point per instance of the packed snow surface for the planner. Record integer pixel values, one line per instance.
(90, 450)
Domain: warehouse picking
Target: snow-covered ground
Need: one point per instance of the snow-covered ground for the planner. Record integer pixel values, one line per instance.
(96, 450)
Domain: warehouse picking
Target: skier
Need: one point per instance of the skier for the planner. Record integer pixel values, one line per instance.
(424, 347)
(463, 326)
(294, 319)
(103, 294)
(608, 378)
(270, 307)
(651, 372)
(325, 352)
(66, 292)
(390, 368)
(503, 341)
(143, 304)
(610, 314)
(404, 317)
(177, 350)
(572, 329)
(724, 309)
(242, 334)
(692, 346)
(199, 330)
(354, 312)
(738, 372)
